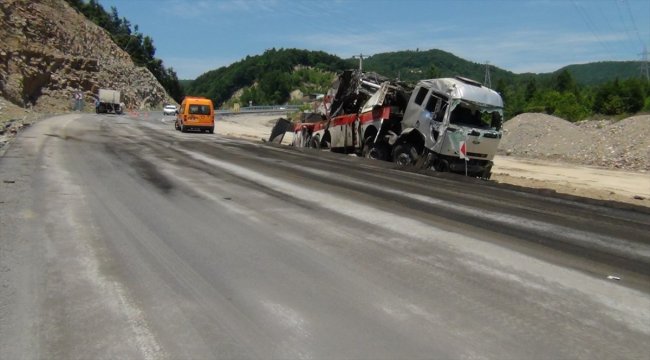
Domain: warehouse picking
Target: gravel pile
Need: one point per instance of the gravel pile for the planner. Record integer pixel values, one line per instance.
(622, 144)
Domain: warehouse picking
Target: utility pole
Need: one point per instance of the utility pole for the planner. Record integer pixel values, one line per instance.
(645, 64)
(488, 80)
(360, 61)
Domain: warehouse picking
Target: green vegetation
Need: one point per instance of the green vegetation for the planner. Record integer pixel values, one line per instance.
(270, 77)
(139, 47)
(561, 95)
(416, 65)
(600, 72)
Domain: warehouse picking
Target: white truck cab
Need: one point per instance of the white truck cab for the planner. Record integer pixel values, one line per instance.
(444, 113)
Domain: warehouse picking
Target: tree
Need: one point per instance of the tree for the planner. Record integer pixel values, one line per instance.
(564, 82)
(619, 97)
(433, 72)
(531, 89)
(633, 95)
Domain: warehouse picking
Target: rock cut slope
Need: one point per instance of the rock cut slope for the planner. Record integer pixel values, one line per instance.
(49, 51)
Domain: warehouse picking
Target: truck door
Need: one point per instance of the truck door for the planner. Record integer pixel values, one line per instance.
(414, 107)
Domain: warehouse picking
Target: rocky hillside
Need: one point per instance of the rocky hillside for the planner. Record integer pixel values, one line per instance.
(48, 51)
(611, 144)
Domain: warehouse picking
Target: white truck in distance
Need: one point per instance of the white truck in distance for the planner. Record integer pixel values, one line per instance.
(109, 101)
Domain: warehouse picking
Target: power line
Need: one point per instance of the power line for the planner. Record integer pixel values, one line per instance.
(604, 16)
(636, 29)
(625, 27)
(590, 25)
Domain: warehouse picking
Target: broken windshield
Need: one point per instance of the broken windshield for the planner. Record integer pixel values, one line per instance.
(474, 116)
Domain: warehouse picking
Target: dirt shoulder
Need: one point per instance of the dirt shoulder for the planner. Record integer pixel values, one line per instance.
(587, 181)
(12, 119)
(250, 127)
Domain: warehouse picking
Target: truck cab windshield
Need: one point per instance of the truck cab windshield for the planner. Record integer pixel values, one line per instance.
(471, 116)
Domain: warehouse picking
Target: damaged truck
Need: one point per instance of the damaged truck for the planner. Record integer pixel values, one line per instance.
(448, 124)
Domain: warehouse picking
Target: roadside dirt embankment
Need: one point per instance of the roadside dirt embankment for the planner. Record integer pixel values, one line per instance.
(623, 144)
(600, 159)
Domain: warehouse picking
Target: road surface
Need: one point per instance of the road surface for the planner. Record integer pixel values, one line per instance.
(123, 238)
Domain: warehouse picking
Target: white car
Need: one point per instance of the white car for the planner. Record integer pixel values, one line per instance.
(169, 110)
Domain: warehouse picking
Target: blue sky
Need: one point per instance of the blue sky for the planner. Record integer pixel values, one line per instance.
(195, 36)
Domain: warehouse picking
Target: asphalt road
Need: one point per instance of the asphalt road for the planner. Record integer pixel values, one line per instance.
(123, 238)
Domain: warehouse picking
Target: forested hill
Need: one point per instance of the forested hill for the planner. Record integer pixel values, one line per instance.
(600, 72)
(415, 65)
(409, 65)
(276, 73)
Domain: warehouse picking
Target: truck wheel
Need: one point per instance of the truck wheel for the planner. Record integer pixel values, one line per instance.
(211, 130)
(403, 154)
(176, 125)
(183, 128)
(442, 166)
(374, 151)
(314, 143)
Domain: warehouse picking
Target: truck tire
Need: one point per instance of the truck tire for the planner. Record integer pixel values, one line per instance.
(183, 128)
(211, 130)
(403, 154)
(373, 151)
(442, 166)
(314, 143)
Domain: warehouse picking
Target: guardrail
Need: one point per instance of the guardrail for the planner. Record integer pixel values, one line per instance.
(260, 109)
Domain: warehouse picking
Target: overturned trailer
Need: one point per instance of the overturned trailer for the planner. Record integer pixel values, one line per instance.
(449, 124)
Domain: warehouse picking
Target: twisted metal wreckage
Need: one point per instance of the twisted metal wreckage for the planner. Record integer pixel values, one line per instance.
(448, 124)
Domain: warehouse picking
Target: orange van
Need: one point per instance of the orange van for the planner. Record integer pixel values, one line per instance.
(195, 113)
